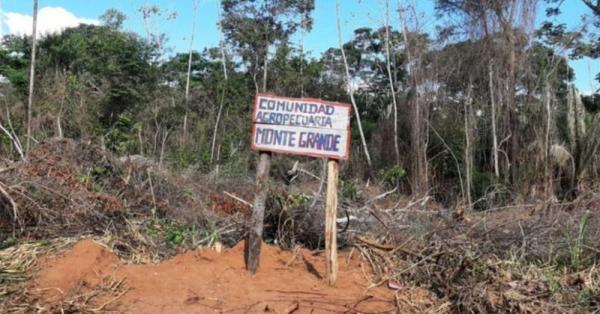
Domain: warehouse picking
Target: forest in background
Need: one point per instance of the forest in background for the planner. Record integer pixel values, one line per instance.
(481, 113)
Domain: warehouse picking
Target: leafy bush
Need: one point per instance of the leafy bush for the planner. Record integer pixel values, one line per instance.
(350, 190)
(393, 176)
(487, 191)
(182, 158)
(122, 136)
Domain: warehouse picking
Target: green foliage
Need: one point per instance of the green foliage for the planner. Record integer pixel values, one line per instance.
(122, 136)
(104, 83)
(8, 242)
(488, 191)
(115, 63)
(578, 247)
(182, 158)
(113, 19)
(252, 27)
(298, 200)
(393, 175)
(14, 61)
(350, 190)
(289, 202)
(592, 103)
(174, 234)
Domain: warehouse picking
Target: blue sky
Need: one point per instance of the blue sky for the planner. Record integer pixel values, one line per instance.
(355, 13)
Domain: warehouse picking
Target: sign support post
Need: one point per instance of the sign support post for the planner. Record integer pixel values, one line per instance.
(330, 222)
(255, 229)
(305, 127)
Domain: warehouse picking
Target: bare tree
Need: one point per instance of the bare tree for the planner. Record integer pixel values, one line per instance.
(418, 114)
(31, 75)
(392, 82)
(224, 88)
(189, 72)
(494, 131)
(505, 26)
(548, 186)
(468, 117)
(350, 86)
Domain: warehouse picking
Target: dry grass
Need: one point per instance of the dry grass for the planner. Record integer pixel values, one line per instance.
(18, 264)
(506, 261)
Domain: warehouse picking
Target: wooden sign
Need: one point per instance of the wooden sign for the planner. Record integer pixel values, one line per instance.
(301, 126)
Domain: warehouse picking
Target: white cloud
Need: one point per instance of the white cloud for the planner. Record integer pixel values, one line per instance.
(50, 20)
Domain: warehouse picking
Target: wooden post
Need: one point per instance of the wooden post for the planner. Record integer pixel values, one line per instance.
(330, 222)
(255, 228)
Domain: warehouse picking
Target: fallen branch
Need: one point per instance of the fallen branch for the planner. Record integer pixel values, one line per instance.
(382, 195)
(12, 203)
(15, 141)
(389, 248)
(238, 199)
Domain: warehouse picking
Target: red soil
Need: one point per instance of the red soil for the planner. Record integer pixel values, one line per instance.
(205, 281)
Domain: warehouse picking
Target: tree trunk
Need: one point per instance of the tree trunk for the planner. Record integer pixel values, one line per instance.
(577, 129)
(418, 135)
(255, 228)
(468, 149)
(350, 88)
(265, 70)
(391, 80)
(494, 131)
(548, 186)
(514, 150)
(189, 74)
(216, 128)
(302, 62)
(31, 75)
(222, 101)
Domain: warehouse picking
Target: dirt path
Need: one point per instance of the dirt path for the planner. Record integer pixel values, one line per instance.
(205, 281)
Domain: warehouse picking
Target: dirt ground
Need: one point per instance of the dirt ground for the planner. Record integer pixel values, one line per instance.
(207, 281)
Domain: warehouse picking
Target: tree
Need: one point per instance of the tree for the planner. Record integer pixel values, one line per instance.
(416, 46)
(253, 27)
(31, 75)
(505, 27)
(350, 88)
(113, 19)
(392, 83)
(114, 65)
(222, 100)
(15, 61)
(189, 72)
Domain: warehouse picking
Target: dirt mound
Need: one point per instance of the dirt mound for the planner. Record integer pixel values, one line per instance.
(205, 280)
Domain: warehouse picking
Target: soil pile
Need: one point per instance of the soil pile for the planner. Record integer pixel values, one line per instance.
(205, 280)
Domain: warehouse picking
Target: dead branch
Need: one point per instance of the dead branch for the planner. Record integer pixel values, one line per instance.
(238, 199)
(14, 140)
(12, 203)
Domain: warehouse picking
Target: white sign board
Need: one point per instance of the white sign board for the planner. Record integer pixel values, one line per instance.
(301, 126)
